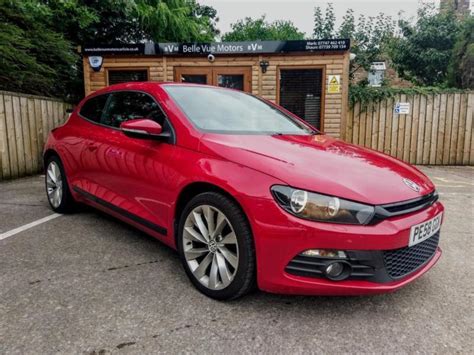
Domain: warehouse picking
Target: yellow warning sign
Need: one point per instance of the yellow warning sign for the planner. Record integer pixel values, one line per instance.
(334, 84)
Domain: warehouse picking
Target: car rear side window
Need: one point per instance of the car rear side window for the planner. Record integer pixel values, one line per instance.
(93, 108)
(130, 105)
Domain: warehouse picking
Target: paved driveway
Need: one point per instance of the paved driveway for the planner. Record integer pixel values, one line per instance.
(87, 283)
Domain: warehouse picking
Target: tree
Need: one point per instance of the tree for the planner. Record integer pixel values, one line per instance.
(34, 58)
(210, 14)
(175, 20)
(249, 29)
(124, 21)
(348, 25)
(368, 35)
(99, 21)
(324, 28)
(461, 68)
(370, 39)
(38, 38)
(424, 50)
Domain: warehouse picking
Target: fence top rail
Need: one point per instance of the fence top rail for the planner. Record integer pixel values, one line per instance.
(19, 94)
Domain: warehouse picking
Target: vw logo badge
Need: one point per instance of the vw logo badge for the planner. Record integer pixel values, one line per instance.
(412, 185)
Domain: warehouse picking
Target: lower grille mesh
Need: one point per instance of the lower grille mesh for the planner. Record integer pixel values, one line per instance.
(400, 262)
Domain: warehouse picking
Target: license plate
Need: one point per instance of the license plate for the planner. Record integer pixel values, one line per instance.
(424, 230)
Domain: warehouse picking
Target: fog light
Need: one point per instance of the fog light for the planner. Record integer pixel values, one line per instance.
(337, 271)
(334, 270)
(325, 253)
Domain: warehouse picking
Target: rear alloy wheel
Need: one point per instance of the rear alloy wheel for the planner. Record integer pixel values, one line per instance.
(216, 247)
(57, 188)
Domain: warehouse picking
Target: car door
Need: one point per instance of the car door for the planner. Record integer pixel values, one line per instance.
(131, 174)
(81, 144)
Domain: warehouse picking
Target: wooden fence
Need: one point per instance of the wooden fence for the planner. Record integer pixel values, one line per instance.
(25, 122)
(437, 131)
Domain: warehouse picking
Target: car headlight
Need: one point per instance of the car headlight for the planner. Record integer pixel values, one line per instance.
(321, 208)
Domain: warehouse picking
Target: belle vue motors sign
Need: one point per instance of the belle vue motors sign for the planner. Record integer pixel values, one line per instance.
(247, 47)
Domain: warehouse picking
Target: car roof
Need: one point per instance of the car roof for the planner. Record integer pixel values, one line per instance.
(147, 86)
(140, 85)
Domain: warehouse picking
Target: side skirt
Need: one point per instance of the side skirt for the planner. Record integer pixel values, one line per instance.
(137, 219)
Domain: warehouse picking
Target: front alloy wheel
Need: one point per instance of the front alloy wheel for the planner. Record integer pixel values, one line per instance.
(216, 246)
(210, 247)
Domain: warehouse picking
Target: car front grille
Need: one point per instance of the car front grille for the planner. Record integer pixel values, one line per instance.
(404, 207)
(400, 262)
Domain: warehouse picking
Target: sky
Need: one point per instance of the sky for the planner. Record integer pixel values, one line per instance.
(300, 12)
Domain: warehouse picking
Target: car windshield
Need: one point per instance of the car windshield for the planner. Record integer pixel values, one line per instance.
(218, 110)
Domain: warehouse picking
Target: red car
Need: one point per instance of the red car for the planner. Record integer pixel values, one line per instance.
(249, 194)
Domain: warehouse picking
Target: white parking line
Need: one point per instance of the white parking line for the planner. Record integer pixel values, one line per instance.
(28, 226)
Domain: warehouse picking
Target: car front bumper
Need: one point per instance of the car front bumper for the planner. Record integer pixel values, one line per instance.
(281, 237)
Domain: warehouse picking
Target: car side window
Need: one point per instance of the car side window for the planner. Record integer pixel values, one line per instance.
(93, 108)
(130, 105)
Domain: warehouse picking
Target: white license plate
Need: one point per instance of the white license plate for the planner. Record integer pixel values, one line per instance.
(424, 230)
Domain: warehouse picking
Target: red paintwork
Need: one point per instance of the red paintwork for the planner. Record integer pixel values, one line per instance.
(146, 177)
(143, 124)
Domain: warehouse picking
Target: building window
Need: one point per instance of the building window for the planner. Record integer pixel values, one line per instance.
(301, 93)
(123, 76)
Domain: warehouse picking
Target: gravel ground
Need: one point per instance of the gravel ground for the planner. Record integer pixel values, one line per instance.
(89, 284)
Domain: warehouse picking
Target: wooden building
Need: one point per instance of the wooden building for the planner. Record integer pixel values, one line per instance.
(309, 78)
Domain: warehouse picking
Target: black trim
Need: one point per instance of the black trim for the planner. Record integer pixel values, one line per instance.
(404, 207)
(221, 48)
(125, 213)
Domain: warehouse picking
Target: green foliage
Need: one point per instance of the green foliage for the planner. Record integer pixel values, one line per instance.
(369, 38)
(364, 95)
(99, 21)
(175, 20)
(324, 27)
(249, 29)
(461, 68)
(423, 51)
(34, 58)
(348, 25)
(369, 35)
(38, 38)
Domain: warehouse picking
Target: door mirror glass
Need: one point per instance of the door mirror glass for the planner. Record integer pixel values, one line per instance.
(142, 128)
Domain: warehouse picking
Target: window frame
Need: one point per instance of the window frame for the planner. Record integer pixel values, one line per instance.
(107, 70)
(172, 138)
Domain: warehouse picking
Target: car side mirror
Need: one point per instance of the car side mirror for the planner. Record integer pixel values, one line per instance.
(143, 128)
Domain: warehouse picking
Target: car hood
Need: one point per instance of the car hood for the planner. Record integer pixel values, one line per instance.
(322, 164)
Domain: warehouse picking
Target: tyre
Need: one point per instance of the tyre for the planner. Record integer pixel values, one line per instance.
(216, 246)
(57, 188)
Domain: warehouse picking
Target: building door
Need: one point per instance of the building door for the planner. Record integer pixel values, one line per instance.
(238, 78)
(301, 92)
